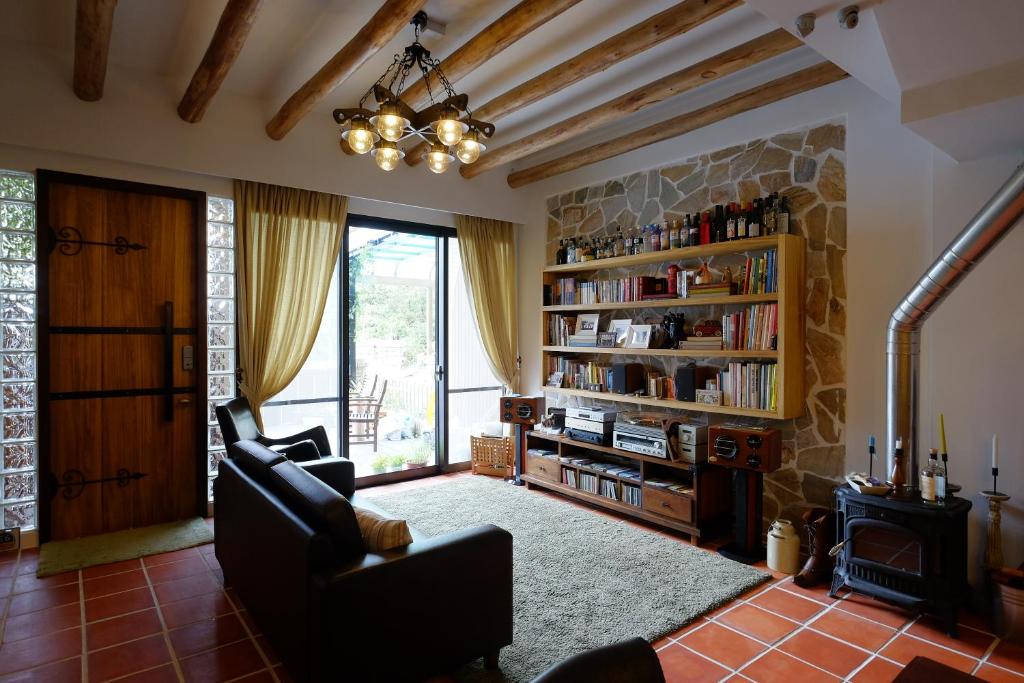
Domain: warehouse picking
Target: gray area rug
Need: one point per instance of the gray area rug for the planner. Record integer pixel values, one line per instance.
(582, 580)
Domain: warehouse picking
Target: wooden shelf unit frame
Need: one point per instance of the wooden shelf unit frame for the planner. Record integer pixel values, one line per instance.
(701, 514)
(789, 354)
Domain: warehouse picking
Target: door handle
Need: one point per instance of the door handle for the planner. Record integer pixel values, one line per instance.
(184, 401)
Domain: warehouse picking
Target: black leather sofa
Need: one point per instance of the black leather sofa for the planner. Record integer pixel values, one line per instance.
(333, 610)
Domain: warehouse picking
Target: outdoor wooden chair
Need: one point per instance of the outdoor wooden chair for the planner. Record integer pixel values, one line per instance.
(364, 418)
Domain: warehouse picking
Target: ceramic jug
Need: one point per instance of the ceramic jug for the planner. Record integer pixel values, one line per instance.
(783, 547)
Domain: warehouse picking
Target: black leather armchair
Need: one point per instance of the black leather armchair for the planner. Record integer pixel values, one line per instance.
(238, 423)
(631, 661)
(336, 611)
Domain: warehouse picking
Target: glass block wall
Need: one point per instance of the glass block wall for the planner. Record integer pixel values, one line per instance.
(18, 317)
(220, 312)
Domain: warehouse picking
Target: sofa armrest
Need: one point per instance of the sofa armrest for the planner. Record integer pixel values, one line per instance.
(420, 595)
(338, 473)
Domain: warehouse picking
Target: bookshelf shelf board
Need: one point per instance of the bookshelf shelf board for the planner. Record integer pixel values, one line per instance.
(688, 467)
(688, 353)
(616, 505)
(734, 247)
(666, 403)
(736, 299)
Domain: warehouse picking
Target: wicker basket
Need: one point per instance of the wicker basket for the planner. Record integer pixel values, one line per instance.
(492, 455)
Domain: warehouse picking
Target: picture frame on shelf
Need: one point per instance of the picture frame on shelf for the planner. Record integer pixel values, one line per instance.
(606, 340)
(639, 336)
(709, 397)
(555, 380)
(621, 328)
(587, 324)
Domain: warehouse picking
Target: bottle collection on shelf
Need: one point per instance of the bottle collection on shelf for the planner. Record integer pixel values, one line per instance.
(759, 276)
(764, 216)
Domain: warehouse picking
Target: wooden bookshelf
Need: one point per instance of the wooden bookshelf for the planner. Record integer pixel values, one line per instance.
(700, 513)
(693, 301)
(683, 254)
(689, 353)
(789, 354)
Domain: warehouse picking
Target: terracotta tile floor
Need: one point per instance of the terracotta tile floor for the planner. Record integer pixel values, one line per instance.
(168, 618)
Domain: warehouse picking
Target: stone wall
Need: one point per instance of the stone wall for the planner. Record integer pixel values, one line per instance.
(808, 166)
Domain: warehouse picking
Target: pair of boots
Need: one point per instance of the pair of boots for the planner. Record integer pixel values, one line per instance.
(821, 532)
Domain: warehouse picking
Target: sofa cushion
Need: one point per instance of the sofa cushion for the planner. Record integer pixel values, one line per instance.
(255, 459)
(381, 532)
(325, 510)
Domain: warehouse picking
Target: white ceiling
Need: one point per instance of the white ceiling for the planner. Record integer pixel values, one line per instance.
(900, 45)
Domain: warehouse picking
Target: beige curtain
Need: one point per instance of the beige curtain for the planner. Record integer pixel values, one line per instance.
(288, 242)
(488, 251)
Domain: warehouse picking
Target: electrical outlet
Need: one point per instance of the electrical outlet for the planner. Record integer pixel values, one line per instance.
(10, 539)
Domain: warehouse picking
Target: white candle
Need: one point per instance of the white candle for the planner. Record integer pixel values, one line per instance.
(995, 451)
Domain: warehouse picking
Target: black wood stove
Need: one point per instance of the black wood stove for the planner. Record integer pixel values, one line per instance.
(904, 551)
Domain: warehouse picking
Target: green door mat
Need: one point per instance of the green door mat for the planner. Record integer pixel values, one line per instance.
(58, 557)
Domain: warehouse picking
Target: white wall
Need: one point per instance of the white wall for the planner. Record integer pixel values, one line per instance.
(976, 353)
(896, 183)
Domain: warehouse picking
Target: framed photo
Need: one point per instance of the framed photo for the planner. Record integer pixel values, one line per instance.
(709, 397)
(586, 324)
(621, 329)
(555, 380)
(640, 336)
(606, 340)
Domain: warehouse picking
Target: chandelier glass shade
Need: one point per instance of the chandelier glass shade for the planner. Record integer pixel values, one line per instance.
(446, 124)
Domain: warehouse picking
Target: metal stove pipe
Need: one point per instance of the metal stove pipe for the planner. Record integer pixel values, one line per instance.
(902, 380)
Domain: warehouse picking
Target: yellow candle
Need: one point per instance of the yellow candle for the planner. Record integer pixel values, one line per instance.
(942, 433)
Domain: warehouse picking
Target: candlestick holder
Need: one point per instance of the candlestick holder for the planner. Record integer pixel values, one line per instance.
(994, 538)
(951, 488)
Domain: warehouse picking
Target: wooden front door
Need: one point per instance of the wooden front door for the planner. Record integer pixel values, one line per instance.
(122, 351)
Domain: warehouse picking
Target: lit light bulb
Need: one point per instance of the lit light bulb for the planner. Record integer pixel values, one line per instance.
(469, 148)
(390, 123)
(360, 136)
(438, 158)
(360, 141)
(449, 132)
(387, 155)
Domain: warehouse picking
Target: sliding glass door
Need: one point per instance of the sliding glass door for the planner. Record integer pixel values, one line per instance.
(402, 393)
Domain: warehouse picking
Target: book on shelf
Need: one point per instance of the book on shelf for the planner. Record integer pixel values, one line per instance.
(569, 477)
(581, 340)
(588, 482)
(701, 344)
(749, 385)
(560, 328)
(753, 328)
(570, 291)
(711, 289)
(578, 374)
(759, 274)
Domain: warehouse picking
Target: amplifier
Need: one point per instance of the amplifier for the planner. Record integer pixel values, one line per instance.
(588, 437)
(524, 410)
(692, 434)
(589, 425)
(594, 414)
(639, 443)
(746, 448)
(693, 453)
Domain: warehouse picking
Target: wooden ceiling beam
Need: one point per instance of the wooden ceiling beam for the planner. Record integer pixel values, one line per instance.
(773, 91)
(391, 18)
(504, 31)
(740, 57)
(233, 28)
(672, 22)
(94, 21)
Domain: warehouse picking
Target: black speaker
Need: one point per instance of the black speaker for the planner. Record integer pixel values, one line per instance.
(690, 378)
(627, 378)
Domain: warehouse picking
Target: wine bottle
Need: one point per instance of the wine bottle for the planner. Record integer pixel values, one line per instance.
(620, 244)
(560, 253)
(768, 216)
(754, 219)
(741, 221)
(730, 222)
(718, 226)
(782, 219)
(928, 477)
(693, 232)
(705, 228)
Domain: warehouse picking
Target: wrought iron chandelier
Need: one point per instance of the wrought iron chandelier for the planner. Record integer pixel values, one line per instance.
(447, 126)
